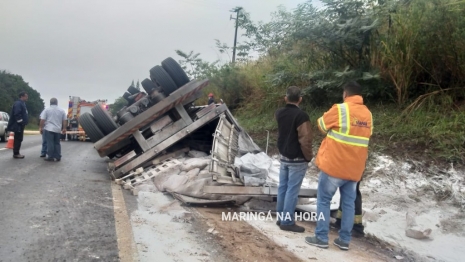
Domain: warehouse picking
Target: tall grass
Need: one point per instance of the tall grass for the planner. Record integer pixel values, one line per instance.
(409, 56)
(423, 133)
(422, 50)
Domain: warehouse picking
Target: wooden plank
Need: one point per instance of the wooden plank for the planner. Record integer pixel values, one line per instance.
(183, 114)
(141, 140)
(227, 180)
(233, 190)
(166, 133)
(244, 190)
(206, 110)
(176, 153)
(160, 124)
(200, 201)
(115, 147)
(124, 159)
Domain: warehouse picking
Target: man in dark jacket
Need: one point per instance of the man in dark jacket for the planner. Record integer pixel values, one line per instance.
(17, 122)
(295, 149)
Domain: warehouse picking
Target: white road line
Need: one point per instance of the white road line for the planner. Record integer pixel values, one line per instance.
(3, 148)
(125, 238)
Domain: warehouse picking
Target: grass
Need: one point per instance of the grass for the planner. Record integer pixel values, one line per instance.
(432, 135)
(32, 127)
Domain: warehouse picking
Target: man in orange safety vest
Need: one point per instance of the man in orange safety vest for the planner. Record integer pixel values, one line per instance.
(341, 159)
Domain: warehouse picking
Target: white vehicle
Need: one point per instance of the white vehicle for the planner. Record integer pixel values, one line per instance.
(4, 117)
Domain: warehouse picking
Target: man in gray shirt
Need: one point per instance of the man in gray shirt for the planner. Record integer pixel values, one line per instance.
(53, 122)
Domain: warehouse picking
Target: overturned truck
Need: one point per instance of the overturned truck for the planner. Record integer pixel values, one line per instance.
(163, 123)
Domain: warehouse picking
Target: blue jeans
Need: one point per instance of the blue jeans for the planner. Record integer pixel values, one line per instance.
(327, 186)
(291, 176)
(74, 136)
(44, 144)
(53, 144)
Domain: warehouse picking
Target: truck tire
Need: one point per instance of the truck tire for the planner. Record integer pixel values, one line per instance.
(91, 128)
(175, 71)
(104, 120)
(132, 90)
(148, 85)
(163, 79)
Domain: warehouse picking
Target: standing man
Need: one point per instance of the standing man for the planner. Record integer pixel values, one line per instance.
(17, 122)
(211, 99)
(295, 149)
(53, 122)
(341, 160)
(43, 151)
(358, 230)
(74, 127)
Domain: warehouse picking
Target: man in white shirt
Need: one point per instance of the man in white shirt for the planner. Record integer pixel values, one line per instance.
(53, 122)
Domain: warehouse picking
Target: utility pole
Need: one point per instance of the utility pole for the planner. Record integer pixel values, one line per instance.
(236, 10)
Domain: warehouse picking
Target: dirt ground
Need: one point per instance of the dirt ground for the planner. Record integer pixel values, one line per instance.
(240, 241)
(264, 241)
(166, 230)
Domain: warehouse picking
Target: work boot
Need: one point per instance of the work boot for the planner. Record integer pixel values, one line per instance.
(341, 244)
(292, 228)
(314, 241)
(18, 156)
(278, 223)
(337, 224)
(358, 230)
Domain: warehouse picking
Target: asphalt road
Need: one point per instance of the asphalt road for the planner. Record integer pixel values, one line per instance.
(56, 211)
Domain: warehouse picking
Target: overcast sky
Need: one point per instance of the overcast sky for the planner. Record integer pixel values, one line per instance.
(95, 48)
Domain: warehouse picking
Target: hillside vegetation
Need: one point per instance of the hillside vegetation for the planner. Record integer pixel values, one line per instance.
(408, 54)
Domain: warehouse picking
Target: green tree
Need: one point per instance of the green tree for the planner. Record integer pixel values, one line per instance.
(196, 67)
(10, 86)
(119, 103)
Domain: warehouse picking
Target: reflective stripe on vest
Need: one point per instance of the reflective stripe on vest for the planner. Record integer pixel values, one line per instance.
(358, 219)
(343, 111)
(321, 122)
(343, 135)
(348, 139)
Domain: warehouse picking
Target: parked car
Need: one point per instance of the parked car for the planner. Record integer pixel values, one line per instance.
(4, 117)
